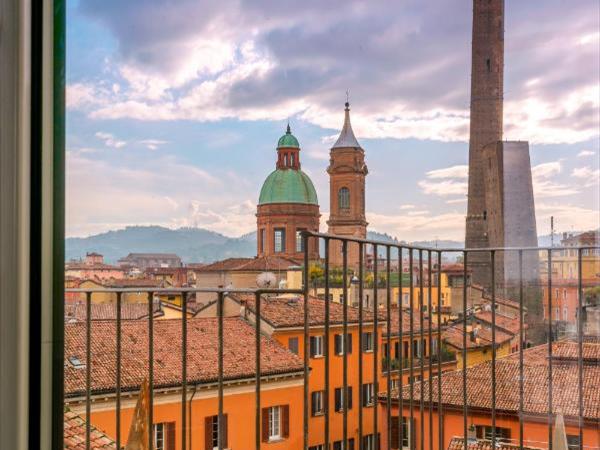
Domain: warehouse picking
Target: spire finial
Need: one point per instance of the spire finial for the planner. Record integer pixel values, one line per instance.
(288, 131)
(347, 98)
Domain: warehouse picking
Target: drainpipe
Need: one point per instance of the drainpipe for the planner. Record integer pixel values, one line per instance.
(190, 416)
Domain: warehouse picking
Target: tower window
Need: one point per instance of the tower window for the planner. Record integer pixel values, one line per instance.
(299, 240)
(488, 63)
(344, 198)
(293, 158)
(261, 240)
(279, 239)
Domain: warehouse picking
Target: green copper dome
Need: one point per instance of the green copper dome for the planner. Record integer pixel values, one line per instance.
(288, 186)
(288, 140)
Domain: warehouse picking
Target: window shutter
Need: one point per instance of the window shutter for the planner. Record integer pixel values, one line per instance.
(411, 434)
(224, 431)
(285, 420)
(312, 346)
(349, 343)
(395, 432)
(337, 344)
(170, 436)
(208, 422)
(338, 399)
(351, 444)
(313, 406)
(349, 397)
(364, 394)
(265, 424)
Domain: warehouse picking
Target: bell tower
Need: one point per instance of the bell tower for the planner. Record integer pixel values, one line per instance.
(347, 171)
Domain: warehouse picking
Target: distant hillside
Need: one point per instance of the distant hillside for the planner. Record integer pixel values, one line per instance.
(191, 244)
(200, 245)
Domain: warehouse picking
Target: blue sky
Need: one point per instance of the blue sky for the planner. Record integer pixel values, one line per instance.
(174, 108)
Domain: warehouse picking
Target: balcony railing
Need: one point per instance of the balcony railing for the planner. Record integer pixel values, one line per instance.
(407, 413)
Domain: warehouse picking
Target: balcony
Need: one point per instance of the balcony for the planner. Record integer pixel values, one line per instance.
(277, 368)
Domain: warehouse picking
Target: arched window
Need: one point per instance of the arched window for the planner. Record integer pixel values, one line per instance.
(344, 198)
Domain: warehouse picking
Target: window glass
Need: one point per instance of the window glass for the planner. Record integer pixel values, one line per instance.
(275, 422)
(344, 198)
(279, 240)
(159, 436)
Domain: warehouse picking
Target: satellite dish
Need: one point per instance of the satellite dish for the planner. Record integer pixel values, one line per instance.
(282, 284)
(266, 280)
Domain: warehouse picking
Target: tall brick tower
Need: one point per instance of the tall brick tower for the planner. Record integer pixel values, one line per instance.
(347, 171)
(501, 209)
(487, 80)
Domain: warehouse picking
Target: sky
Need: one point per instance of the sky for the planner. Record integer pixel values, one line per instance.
(174, 108)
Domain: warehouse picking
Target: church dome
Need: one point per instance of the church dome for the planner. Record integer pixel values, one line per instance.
(288, 186)
(288, 140)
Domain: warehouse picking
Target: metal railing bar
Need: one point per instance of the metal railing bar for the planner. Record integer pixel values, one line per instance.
(88, 369)
(220, 344)
(360, 334)
(442, 249)
(375, 347)
(389, 347)
(521, 341)
(150, 370)
(184, 386)
(306, 338)
(429, 346)
(411, 346)
(345, 341)
(439, 340)
(327, 343)
(400, 351)
(421, 356)
(257, 410)
(464, 351)
(118, 373)
(493, 267)
(189, 290)
(580, 345)
(550, 339)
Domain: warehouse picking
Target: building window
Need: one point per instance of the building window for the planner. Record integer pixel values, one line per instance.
(573, 441)
(485, 432)
(340, 399)
(406, 433)
(339, 445)
(488, 64)
(339, 344)
(275, 422)
(395, 383)
(368, 394)
(565, 314)
(367, 341)
(369, 442)
(316, 346)
(279, 240)
(317, 447)
(317, 405)
(159, 436)
(299, 240)
(211, 424)
(344, 198)
(293, 345)
(261, 240)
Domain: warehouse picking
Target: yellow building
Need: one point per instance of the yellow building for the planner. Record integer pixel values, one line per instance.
(479, 343)
(565, 263)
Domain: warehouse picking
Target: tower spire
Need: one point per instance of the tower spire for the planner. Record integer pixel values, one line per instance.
(347, 138)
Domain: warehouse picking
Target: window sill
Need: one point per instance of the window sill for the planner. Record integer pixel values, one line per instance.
(275, 440)
(368, 351)
(319, 414)
(317, 357)
(369, 405)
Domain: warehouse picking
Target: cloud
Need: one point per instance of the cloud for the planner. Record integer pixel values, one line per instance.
(453, 181)
(589, 177)
(110, 140)
(152, 144)
(410, 227)
(544, 178)
(585, 153)
(567, 216)
(407, 67)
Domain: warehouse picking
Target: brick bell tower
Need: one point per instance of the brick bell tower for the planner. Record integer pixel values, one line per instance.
(347, 171)
(487, 79)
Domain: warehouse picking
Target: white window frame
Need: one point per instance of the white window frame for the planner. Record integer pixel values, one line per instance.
(159, 438)
(274, 423)
(281, 247)
(318, 350)
(370, 394)
(369, 441)
(215, 432)
(321, 402)
(368, 340)
(406, 431)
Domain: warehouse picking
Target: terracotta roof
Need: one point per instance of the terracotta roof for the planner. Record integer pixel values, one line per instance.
(83, 266)
(395, 322)
(151, 255)
(535, 385)
(458, 443)
(202, 348)
(563, 352)
(453, 335)
(108, 311)
(283, 312)
(74, 434)
(133, 283)
(250, 264)
(505, 323)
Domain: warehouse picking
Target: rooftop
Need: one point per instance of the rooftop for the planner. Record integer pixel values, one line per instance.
(535, 384)
(480, 338)
(347, 138)
(202, 348)
(74, 435)
(458, 443)
(106, 311)
(260, 264)
(288, 186)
